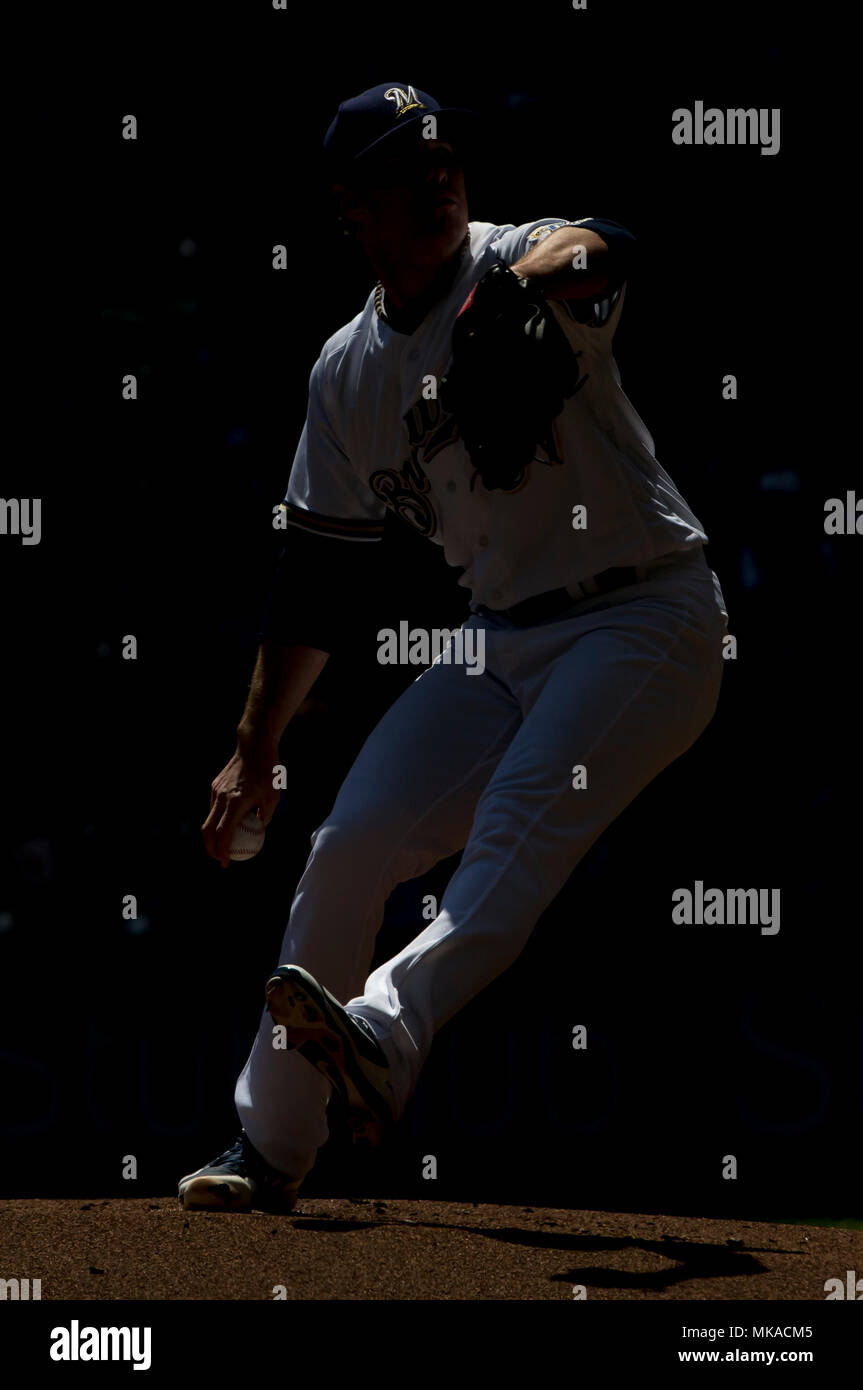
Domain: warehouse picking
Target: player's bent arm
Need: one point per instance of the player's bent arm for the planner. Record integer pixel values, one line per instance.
(578, 262)
(282, 678)
(317, 583)
(309, 614)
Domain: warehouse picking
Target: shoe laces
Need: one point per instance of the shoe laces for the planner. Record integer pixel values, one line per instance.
(233, 1158)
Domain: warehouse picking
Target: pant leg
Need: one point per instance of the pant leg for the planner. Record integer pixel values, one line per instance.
(407, 802)
(623, 689)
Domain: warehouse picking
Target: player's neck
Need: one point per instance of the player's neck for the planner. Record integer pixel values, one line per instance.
(410, 291)
(409, 285)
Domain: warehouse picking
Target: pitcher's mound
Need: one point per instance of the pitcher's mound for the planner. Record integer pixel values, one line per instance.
(370, 1249)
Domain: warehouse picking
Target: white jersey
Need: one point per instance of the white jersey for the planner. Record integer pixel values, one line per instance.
(373, 440)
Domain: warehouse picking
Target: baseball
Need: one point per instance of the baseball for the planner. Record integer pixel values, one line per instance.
(248, 837)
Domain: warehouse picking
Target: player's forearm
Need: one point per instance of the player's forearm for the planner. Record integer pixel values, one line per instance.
(571, 263)
(282, 678)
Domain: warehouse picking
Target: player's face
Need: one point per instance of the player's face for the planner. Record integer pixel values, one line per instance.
(414, 202)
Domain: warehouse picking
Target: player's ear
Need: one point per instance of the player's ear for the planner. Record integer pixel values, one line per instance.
(338, 208)
(347, 204)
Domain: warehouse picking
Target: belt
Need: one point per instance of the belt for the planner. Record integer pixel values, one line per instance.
(541, 606)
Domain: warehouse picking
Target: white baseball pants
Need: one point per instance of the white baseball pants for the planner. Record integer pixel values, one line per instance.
(621, 684)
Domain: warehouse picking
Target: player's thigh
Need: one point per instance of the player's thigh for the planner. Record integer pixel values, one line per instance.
(420, 773)
(617, 707)
(635, 693)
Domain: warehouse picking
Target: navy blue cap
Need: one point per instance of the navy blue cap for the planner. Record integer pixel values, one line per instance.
(364, 123)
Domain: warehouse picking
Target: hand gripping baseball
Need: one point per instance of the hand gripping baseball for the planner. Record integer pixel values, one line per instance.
(511, 374)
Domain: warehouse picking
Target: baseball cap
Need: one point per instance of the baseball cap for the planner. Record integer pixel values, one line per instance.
(373, 124)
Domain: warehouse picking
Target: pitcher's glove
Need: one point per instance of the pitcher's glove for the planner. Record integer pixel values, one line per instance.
(511, 374)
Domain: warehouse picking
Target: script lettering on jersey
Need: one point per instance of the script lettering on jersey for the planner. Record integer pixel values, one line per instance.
(405, 490)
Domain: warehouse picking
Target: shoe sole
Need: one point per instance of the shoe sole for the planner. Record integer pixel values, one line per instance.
(213, 1193)
(209, 1192)
(315, 1031)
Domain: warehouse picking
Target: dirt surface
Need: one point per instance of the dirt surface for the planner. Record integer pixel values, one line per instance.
(367, 1249)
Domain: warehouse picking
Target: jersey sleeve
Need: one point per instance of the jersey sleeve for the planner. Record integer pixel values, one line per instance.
(602, 314)
(515, 242)
(318, 598)
(326, 495)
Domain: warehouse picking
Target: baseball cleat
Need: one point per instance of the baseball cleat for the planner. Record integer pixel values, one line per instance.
(238, 1180)
(342, 1046)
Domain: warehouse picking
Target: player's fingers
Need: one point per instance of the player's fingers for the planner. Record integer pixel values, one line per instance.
(208, 829)
(267, 807)
(233, 809)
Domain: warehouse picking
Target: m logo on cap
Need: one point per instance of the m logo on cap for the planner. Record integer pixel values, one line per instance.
(404, 100)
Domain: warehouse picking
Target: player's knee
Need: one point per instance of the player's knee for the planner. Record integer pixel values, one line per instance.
(350, 846)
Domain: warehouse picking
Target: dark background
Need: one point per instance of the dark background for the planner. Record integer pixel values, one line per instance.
(125, 1038)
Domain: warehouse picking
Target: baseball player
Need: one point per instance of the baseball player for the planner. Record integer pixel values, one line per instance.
(475, 395)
